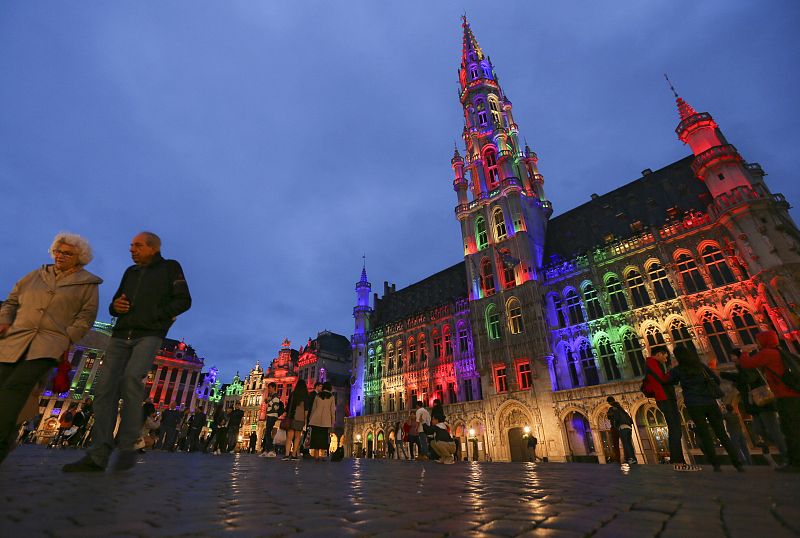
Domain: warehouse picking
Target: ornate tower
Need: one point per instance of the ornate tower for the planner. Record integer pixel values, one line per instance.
(358, 342)
(501, 204)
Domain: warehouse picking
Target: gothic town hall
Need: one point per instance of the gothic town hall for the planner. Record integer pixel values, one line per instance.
(546, 317)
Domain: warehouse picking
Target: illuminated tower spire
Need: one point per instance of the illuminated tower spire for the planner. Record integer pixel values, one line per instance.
(358, 342)
(716, 163)
(499, 187)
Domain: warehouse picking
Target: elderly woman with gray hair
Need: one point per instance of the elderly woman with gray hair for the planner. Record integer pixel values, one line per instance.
(48, 309)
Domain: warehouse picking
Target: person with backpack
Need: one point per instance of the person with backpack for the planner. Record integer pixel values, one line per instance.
(655, 385)
(782, 371)
(622, 421)
(701, 390)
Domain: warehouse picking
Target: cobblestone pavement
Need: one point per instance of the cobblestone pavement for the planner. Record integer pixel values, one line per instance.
(242, 495)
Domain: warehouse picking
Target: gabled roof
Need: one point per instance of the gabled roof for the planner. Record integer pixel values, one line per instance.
(646, 200)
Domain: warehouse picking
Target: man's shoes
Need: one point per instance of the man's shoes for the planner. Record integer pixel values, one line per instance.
(83, 465)
(270, 454)
(126, 459)
(263, 455)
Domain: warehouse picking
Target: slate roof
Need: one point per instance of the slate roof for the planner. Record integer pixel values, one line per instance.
(646, 199)
(442, 288)
(333, 343)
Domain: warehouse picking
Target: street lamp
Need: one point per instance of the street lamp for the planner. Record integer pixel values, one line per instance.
(527, 430)
(358, 446)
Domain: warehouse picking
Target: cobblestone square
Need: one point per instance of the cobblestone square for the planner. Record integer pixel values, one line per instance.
(178, 494)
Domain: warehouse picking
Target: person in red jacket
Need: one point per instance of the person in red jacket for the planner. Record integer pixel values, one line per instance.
(788, 400)
(656, 385)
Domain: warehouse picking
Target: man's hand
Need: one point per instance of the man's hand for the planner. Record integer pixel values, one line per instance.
(121, 304)
(3, 328)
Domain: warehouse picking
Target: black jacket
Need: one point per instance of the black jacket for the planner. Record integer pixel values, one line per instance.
(439, 432)
(158, 293)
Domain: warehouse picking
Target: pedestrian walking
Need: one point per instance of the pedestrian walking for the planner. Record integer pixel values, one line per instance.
(622, 421)
(410, 433)
(701, 390)
(219, 440)
(401, 438)
(234, 425)
(321, 420)
(251, 446)
(296, 419)
(152, 293)
(168, 434)
(46, 311)
(654, 386)
(422, 418)
(275, 409)
(785, 388)
(196, 426)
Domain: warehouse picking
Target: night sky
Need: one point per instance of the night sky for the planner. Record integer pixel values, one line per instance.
(272, 144)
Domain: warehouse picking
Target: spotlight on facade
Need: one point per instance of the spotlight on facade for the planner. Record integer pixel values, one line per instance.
(358, 437)
(472, 432)
(527, 430)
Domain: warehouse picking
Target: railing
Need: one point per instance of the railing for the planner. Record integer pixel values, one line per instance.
(712, 156)
(691, 120)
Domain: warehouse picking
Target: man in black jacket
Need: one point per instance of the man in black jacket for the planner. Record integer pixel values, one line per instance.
(234, 423)
(153, 292)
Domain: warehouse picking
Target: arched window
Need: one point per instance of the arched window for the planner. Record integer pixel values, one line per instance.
(661, 285)
(487, 277)
(616, 295)
(481, 236)
(593, 306)
(680, 334)
(572, 364)
(717, 336)
(378, 361)
(718, 268)
(499, 224)
(371, 362)
(412, 351)
(633, 353)
(399, 352)
(492, 322)
(690, 276)
(507, 265)
(574, 309)
(481, 108)
(654, 337)
(490, 162)
(514, 313)
(448, 341)
(745, 324)
(463, 340)
(437, 345)
(607, 359)
(423, 351)
(495, 108)
(473, 72)
(639, 294)
(588, 365)
(558, 305)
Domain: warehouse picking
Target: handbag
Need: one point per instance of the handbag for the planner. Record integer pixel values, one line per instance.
(280, 437)
(762, 395)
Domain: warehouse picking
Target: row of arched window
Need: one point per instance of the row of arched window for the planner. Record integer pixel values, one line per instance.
(414, 350)
(567, 309)
(577, 365)
(498, 228)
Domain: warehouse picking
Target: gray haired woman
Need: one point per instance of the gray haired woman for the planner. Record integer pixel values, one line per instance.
(48, 309)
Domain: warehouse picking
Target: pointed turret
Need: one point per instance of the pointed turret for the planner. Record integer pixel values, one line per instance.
(716, 163)
(358, 342)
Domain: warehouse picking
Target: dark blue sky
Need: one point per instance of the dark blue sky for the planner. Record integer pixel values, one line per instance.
(272, 144)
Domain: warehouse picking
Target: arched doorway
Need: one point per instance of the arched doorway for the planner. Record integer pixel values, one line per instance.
(579, 437)
(476, 446)
(380, 449)
(517, 444)
(607, 438)
(370, 453)
(653, 433)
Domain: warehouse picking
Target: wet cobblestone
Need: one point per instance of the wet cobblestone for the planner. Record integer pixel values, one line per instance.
(170, 494)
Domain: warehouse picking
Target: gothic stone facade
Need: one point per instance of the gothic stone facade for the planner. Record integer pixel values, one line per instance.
(546, 317)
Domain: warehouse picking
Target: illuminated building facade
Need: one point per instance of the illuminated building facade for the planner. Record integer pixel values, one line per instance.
(546, 317)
